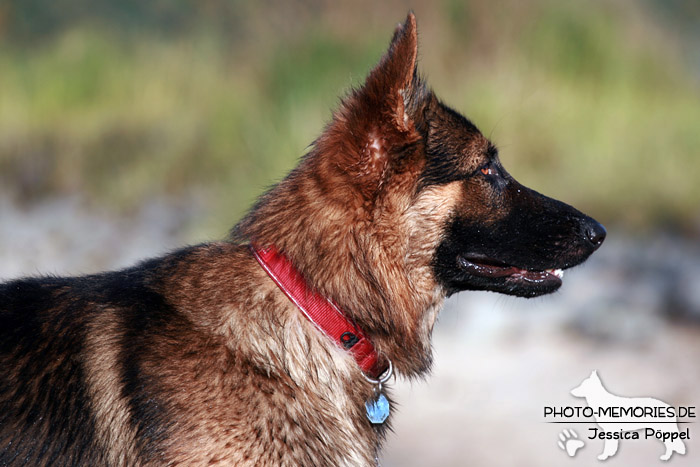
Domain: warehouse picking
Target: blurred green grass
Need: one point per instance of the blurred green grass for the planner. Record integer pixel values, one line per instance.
(592, 103)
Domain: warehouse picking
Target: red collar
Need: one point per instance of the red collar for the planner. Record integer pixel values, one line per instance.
(321, 311)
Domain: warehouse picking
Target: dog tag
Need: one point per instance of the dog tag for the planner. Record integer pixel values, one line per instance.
(377, 409)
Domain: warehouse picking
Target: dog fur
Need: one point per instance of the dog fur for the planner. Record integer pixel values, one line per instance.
(198, 358)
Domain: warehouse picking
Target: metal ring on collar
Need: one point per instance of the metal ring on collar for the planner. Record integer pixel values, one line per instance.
(384, 377)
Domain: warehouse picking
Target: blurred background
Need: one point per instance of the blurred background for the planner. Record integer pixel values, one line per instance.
(130, 128)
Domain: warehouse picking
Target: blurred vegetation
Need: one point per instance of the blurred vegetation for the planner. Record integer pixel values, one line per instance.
(592, 102)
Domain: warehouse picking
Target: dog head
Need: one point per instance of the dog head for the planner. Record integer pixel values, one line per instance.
(402, 201)
(588, 386)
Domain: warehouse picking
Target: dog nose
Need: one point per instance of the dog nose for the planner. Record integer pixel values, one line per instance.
(595, 233)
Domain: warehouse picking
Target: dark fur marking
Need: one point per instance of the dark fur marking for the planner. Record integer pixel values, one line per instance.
(449, 140)
(146, 315)
(37, 425)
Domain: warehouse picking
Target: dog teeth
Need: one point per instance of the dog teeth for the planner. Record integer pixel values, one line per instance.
(556, 272)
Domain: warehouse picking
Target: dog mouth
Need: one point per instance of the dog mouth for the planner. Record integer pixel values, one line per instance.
(513, 280)
(490, 268)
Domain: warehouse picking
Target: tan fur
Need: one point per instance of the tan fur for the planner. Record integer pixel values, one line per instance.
(247, 372)
(112, 413)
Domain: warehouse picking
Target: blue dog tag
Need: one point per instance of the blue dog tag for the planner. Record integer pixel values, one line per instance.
(377, 409)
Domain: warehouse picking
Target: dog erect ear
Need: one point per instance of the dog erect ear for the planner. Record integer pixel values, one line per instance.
(390, 83)
(374, 124)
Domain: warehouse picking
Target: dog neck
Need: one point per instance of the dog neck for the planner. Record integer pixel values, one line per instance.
(322, 312)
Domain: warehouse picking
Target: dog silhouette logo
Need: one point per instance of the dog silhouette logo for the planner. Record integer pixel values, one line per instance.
(629, 417)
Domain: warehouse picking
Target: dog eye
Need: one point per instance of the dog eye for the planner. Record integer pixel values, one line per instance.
(487, 170)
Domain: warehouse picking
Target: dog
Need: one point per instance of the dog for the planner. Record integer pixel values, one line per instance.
(273, 347)
(597, 398)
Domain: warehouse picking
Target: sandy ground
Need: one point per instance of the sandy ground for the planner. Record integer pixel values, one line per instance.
(498, 360)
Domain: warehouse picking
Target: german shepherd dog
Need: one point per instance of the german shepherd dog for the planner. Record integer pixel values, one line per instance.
(208, 354)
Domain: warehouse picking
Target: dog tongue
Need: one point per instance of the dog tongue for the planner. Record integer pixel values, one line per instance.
(490, 270)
